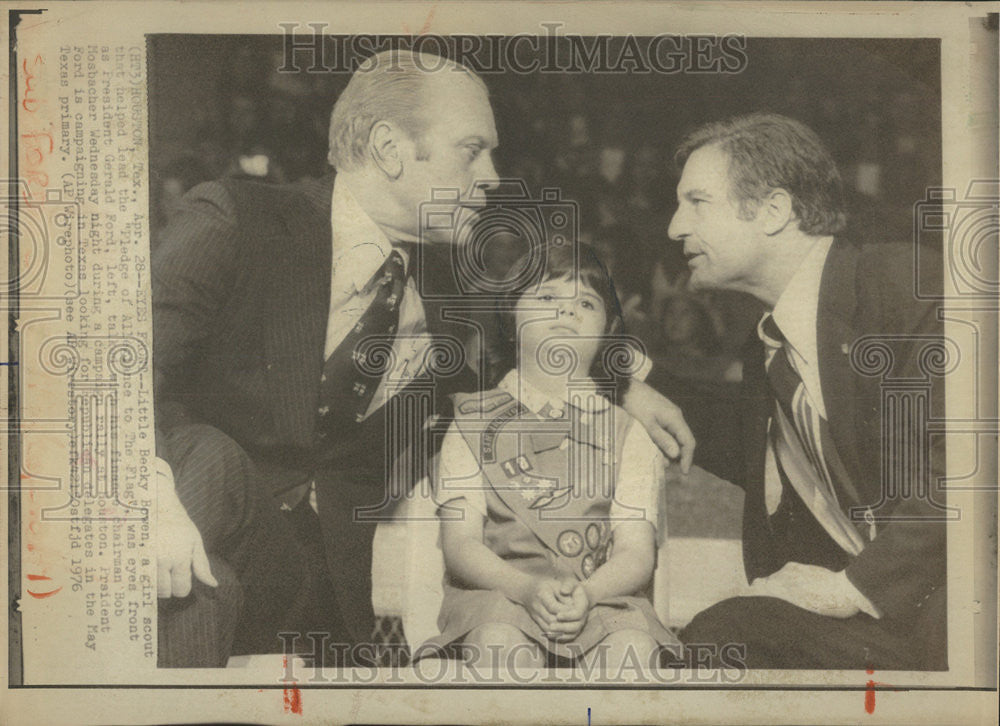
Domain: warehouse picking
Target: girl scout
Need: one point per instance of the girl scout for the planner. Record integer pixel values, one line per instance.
(547, 492)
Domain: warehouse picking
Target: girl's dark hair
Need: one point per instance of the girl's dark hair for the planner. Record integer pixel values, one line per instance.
(577, 262)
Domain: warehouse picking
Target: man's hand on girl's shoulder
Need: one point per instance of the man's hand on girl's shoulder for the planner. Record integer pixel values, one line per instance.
(663, 420)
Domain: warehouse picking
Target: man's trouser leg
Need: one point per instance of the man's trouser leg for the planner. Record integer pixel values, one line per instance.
(777, 634)
(265, 575)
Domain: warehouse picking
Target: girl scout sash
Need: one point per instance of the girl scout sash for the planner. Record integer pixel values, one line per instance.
(555, 470)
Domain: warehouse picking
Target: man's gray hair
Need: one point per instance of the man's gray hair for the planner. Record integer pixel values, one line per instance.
(385, 87)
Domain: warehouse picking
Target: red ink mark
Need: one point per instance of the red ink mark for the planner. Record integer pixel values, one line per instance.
(30, 103)
(870, 691)
(40, 595)
(38, 177)
(425, 28)
(31, 548)
(292, 697)
(293, 701)
(39, 135)
(39, 577)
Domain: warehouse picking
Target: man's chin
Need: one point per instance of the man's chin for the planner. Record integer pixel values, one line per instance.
(697, 281)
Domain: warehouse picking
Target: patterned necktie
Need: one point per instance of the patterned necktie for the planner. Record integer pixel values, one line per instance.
(353, 371)
(811, 429)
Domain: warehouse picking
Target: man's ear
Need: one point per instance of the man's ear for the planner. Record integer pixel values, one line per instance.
(776, 211)
(384, 148)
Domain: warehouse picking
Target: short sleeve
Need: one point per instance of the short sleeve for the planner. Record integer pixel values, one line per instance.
(640, 478)
(458, 474)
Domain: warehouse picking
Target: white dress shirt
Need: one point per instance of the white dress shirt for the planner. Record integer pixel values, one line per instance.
(360, 247)
(796, 314)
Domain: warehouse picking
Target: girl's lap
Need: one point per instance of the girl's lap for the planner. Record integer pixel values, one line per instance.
(464, 611)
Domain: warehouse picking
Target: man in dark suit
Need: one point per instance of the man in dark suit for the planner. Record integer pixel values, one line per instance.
(271, 406)
(844, 538)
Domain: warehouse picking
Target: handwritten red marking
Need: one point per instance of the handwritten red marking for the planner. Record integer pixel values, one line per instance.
(40, 595)
(870, 694)
(39, 577)
(33, 137)
(425, 28)
(292, 697)
(30, 102)
(293, 701)
(37, 177)
(427, 23)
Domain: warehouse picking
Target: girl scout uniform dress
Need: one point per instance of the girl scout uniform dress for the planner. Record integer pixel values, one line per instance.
(551, 479)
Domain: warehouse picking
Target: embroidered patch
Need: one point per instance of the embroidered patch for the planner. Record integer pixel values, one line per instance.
(570, 543)
(517, 466)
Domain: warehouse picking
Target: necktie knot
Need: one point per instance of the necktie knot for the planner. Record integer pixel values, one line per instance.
(772, 331)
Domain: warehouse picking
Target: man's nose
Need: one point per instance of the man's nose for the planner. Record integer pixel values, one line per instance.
(678, 228)
(487, 178)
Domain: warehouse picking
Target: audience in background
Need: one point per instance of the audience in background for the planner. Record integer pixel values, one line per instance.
(272, 126)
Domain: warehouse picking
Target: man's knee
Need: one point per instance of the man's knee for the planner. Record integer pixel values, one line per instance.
(214, 479)
(738, 620)
(200, 451)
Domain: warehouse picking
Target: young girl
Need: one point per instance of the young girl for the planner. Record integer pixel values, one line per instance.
(547, 492)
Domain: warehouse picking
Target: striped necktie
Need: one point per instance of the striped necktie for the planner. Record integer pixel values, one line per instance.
(811, 430)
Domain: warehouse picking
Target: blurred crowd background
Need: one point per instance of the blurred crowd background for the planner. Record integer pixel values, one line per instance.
(220, 107)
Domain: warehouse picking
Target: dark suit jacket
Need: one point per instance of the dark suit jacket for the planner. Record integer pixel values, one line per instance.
(241, 294)
(865, 291)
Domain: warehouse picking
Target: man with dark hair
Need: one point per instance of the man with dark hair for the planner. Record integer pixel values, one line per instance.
(270, 410)
(843, 545)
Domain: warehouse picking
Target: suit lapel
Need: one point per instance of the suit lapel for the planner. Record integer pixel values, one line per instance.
(836, 331)
(296, 329)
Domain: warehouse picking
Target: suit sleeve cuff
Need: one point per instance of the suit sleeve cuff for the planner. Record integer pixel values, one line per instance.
(854, 595)
(643, 365)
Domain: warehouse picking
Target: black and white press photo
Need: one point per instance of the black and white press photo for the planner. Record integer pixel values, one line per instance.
(371, 354)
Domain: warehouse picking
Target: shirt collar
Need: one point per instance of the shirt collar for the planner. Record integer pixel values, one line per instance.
(360, 247)
(586, 398)
(796, 309)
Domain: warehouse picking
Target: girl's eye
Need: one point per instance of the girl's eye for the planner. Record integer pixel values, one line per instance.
(472, 151)
(588, 305)
(545, 298)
